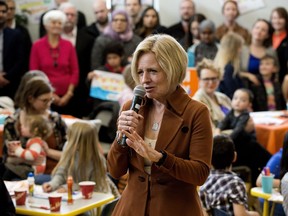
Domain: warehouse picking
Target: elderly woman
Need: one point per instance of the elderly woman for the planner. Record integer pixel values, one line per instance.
(119, 29)
(57, 58)
(169, 141)
(34, 99)
(218, 103)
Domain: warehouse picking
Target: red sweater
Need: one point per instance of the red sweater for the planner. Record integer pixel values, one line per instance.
(59, 64)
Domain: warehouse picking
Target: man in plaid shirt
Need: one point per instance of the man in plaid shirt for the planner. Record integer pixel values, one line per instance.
(223, 189)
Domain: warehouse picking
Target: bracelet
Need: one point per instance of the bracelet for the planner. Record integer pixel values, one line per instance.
(162, 160)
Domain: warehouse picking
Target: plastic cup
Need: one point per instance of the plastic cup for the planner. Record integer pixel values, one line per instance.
(55, 202)
(267, 183)
(20, 196)
(87, 188)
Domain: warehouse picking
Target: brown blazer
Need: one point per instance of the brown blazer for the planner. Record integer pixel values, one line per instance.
(186, 136)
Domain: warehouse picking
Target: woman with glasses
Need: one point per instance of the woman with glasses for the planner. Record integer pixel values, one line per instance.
(35, 98)
(119, 29)
(57, 58)
(209, 78)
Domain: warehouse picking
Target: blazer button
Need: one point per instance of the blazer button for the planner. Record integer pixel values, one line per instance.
(141, 178)
(160, 181)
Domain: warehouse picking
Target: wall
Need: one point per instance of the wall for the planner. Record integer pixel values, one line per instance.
(169, 12)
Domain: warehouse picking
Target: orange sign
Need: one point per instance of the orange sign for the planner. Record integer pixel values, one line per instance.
(190, 83)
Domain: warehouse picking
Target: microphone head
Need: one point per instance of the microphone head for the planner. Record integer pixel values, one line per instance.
(139, 90)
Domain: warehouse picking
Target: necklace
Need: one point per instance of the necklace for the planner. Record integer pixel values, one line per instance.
(155, 126)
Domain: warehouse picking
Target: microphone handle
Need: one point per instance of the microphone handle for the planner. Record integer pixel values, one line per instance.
(136, 103)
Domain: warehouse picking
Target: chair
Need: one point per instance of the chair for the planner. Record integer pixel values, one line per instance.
(109, 207)
(218, 212)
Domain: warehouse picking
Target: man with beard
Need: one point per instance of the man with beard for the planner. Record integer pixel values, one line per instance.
(83, 43)
(81, 21)
(101, 14)
(133, 8)
(11, 56)
(187, 10)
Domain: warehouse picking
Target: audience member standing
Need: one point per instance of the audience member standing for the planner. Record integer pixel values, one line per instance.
(261, 44)
(149, 23)
(279, 21)
(230, 12)
(13, 24)
(133, 9)
(101, 13)
(83, 43)
(187, 10)
(57, 58)
(11, 56)
(81, 21)
(119, 29)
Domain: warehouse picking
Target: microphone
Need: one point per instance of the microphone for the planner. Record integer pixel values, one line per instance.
(139, 93)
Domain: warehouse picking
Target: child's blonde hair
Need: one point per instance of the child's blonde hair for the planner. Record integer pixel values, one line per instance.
(82, 154)
(39, 126)
(229, 52)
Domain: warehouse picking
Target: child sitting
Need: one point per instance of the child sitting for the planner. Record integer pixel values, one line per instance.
(223, 189)
(250, 152)
(82, 160)
(268, 95)
(37, 128)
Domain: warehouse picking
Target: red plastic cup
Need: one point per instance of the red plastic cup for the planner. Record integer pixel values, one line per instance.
(55, 202)
(20, 196)
(87, 188)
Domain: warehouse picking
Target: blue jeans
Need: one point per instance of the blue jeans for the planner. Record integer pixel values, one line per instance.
(42, 178)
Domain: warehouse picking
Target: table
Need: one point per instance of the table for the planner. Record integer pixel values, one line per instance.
(275, 197)
(79, 206)
(270, 129)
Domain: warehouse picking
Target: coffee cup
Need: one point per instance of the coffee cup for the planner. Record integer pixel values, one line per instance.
(20, 196)
(87, 188)
(55, 202)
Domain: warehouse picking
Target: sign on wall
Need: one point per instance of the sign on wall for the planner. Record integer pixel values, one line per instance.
(34, 8)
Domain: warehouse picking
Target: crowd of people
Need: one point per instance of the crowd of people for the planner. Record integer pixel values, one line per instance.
(168, 148)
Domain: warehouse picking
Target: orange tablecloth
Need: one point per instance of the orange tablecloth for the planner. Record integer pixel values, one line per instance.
(271, 128)
(271, 136)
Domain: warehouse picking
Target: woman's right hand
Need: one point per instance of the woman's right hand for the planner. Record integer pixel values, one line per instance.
(47, 187)
(128, 119)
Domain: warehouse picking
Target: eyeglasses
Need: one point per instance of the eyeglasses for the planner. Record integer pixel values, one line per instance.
(119, 20)
(46, 101)
(212, 79)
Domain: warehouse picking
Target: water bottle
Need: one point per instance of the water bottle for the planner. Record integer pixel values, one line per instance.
(31, 182)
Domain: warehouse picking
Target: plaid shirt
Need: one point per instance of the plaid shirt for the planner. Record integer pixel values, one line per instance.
(222, 189)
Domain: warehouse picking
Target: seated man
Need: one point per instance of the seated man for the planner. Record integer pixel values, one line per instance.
(223, 189)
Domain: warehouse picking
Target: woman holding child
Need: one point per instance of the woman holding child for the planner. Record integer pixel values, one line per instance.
(35, 98)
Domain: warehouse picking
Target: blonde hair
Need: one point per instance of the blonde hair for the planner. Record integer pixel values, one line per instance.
(207, 64)
(83, 142)
(169, 54)
(39, 126)
(229, 52)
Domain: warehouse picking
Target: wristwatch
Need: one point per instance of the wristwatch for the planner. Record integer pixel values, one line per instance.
(161, 161)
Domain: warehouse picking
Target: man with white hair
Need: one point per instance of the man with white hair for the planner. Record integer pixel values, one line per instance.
(81, 22)
(101, 18)
(83, 43)
(187, 10)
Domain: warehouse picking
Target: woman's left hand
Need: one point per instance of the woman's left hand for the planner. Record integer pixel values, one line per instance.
(137, 143)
